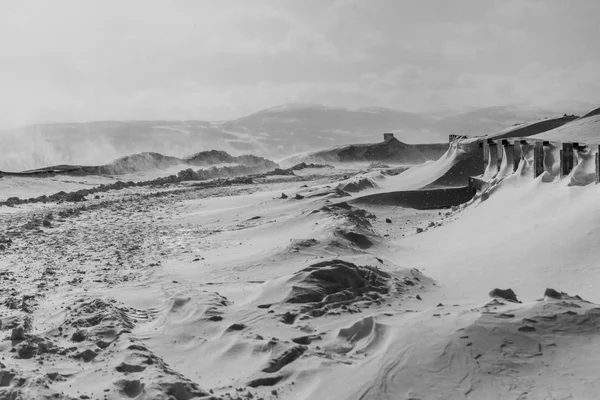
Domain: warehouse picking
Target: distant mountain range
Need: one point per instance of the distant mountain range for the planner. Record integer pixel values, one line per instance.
(274, 133)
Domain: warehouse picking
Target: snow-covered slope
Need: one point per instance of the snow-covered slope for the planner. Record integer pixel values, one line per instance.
(583, 130)
(528, 236)
(489, 120)
(531, 128)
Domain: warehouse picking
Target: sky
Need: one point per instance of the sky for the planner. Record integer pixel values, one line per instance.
(82, 60)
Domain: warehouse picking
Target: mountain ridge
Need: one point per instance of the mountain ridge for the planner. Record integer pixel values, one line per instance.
(277, 133)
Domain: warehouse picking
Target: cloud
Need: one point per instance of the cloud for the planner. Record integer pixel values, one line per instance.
(77, 61)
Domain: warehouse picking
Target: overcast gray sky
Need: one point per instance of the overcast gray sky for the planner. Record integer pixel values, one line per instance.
(93, 60)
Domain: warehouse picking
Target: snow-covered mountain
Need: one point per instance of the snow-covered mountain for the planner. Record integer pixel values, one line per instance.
(274, 133)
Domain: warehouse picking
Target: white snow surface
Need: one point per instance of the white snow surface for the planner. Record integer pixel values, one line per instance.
(583, 130)
(185, 293)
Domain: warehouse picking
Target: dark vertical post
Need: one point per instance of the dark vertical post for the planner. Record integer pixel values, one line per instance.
(508, 152)
(576, 149)
(500, 145)
(492, 166)
(518, 154)
(472, 186)
(486, 152)
(598, 163)
(538, 159)
(481, 146)
(566, 159)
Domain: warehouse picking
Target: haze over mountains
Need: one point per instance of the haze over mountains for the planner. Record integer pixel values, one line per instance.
(274, 133)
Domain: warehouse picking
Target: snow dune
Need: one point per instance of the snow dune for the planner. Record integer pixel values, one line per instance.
(528, 236)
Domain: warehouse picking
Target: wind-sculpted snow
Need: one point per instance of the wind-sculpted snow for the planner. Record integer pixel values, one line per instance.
(358, 185)
(336, 280)
(152, 161)
(289, 284)
(227, 171)
(138, 162)
(220, 157)
(505, 350)
(110, 330)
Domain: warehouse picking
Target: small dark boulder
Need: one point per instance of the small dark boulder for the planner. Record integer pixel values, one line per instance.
(341, 193)
(18, 333)
(86, 355)
(527, 328)
(285, 358)
(266, 381)
(188, 175)
(288, 318)
(75, 197)
(302, 340)
(553, 294)
(79, 335)
(12, 201)
(235, 327)
(506, 294)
